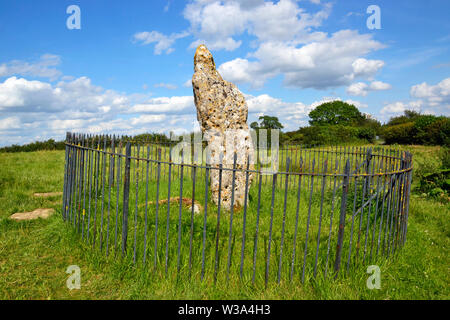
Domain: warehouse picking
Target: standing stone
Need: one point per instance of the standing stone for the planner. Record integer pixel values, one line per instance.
(222, 114)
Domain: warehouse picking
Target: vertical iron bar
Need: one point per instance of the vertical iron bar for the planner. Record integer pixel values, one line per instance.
(179, 212)
(204, 221)
(309, 219)
(325, 167)
(274, 184)
(126, 195)
(216, 261)
(255, 245)
(119, 164)
(294, 245)
(244, 217)
(233, 181)
(157, 209)
(340, 240)
(168, 213)
(136, 177)
(335, 173)
(194, 171)
(288, 162)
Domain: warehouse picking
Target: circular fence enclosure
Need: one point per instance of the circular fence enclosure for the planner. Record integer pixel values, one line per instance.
(324, 211)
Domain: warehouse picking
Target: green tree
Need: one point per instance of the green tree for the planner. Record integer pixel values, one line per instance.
(254, 125)
(268, 122)
(408, 116)
(335, 113)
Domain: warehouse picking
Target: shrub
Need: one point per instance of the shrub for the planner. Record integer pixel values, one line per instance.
(400, 133)
(445, 158)
(414, 128)
(367, 133)
(438, 132)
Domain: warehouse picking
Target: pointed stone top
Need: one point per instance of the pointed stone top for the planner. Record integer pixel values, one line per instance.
(203, 59)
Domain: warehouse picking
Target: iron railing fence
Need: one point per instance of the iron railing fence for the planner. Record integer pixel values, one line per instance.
(324, 210)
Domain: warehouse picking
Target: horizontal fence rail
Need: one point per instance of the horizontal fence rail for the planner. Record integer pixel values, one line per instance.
(323, 212)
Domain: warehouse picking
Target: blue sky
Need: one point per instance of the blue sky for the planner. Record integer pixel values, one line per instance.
(128, 69)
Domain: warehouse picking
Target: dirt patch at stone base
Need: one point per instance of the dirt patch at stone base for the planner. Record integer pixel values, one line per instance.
(38, 213)
(47, 194)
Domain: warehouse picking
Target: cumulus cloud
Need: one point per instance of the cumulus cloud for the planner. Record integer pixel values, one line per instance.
(287, 43)
(10, 123)
(395, 107)
(430, 99)
(321, 64)
(435, 95)
(31, 110)
(44, 67)
(79, 95)
(218, 23)
(366, 68)
(362, 88)
(175, 104)
(358, 104)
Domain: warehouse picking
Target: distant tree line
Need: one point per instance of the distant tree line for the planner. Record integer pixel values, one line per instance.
(330, 123)
(51, 144)
(35, 146)
(339, 122)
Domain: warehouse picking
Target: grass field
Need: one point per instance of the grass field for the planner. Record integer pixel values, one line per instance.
(34, 255)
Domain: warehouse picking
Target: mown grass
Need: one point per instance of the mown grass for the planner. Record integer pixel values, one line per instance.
(34, 255)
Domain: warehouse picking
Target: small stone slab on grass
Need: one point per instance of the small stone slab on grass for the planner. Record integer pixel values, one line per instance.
(38, 213)
(47, 194)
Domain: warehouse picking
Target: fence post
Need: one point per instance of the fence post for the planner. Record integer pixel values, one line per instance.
(66, 169)
(126, 193)
(408, 194)
(337, 262)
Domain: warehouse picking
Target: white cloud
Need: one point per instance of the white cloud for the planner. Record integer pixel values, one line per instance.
(399, 107)
(357, 104)
(243, 71)
(379, 85)
(188, 83)
(395, 107)
(169, 86)
(362, 88)
(358, 89)
(431, 99)
(291, 114)
(163, 43)
(147, 118)
(366, 68)
(321, 64)
(175, 104)
(286, 40)
(213, 23)
(31, 110)
(216, 23)
(435, 95)
(10, 123)
(80, 106)
(43, 68)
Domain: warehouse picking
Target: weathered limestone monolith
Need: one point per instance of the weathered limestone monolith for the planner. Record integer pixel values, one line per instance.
(222, 114)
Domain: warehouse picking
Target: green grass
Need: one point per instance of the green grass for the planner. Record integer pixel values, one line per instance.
(34, 255)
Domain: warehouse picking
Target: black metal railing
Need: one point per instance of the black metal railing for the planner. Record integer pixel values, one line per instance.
(323, 210)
